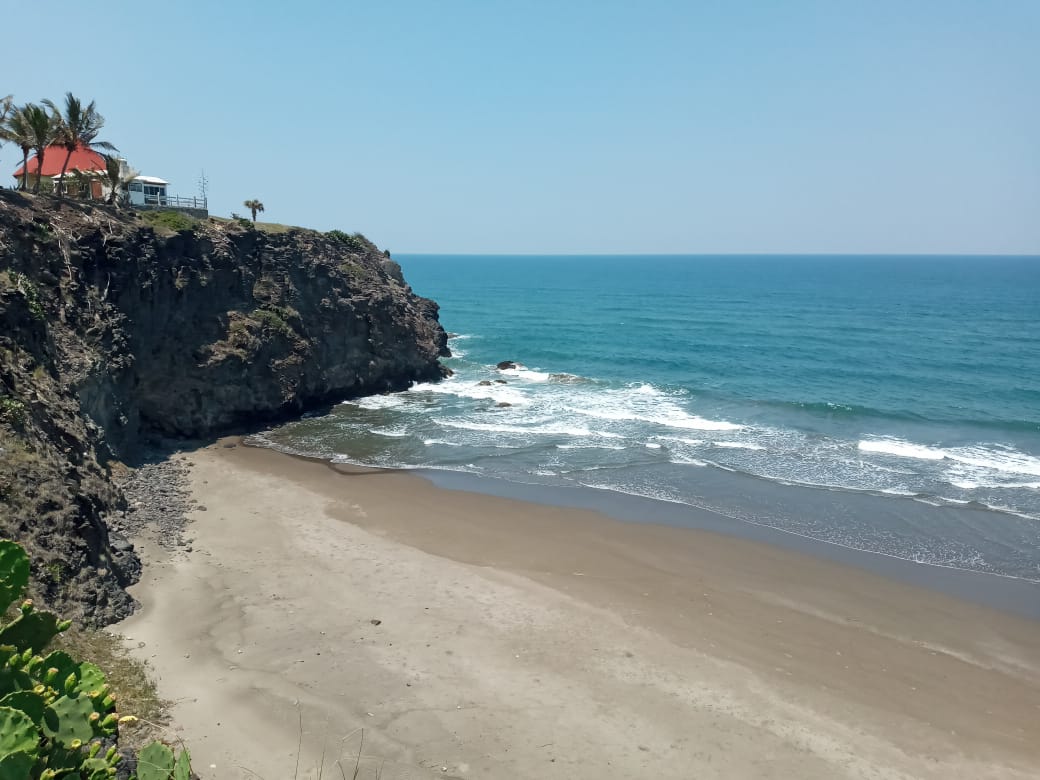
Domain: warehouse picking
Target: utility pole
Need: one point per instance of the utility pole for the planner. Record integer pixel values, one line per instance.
(203, 186)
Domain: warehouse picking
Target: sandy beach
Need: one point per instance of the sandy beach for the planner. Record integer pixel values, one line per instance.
(468, 636)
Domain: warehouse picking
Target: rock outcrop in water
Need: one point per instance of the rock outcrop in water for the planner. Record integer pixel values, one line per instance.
(114, 332)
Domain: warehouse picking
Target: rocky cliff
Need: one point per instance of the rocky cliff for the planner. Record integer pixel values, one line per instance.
(113, 331)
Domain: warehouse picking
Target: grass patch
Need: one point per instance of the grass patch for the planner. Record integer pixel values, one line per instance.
(274, 227)
(135, 692)
(173, 221)
(266, 227)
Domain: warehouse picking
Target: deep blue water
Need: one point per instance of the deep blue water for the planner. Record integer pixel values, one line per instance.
(681, 378)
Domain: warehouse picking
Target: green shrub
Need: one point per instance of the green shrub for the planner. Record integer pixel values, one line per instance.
(354, 243)
(30, 292)
(273, 318)
(170, 220)
(56, 711)
(12, 410)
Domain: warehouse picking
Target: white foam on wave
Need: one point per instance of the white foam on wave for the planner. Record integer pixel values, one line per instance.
(900, 448)
(545, 430)
(681, 461)
(681, 440)
(692, 422)
(644, 403)
(441, 442)
(392, 433)
(590, 446)
(737, 445)
(652, 445)
(465, 389)
(998, 458)
(968, 484)
(968, 467)
(445, 386)
(377, 402)
(526, 374)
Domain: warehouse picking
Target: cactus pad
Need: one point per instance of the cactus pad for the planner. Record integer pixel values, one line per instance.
(16, 766)
(31, 630)
(29, 702)
(17, 732)
(155, 762)
(68, 718)
(182, 771)
(14, 573)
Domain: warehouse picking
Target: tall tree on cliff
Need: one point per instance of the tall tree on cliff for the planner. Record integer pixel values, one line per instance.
(38, 128)
(6, 104)
(254, 205)
(16, 129)
(76, 126)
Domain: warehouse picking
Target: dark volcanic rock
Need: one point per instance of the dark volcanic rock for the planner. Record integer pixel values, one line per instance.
(505, 364)
(113, 333)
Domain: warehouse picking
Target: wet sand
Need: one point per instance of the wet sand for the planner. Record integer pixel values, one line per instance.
(479, 636)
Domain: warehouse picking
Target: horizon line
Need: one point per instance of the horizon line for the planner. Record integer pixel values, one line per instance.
(723, 254)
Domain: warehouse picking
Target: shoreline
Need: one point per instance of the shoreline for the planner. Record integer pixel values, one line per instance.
(466, 633)
(1015, 595)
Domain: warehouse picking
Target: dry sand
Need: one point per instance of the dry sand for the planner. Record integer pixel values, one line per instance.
(478, 637)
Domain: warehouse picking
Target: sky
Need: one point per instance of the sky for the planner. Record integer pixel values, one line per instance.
(569, 126)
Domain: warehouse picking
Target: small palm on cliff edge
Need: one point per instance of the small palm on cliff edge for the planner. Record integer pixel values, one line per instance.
(254, 206)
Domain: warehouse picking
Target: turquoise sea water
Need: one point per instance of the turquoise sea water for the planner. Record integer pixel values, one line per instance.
(699, 380)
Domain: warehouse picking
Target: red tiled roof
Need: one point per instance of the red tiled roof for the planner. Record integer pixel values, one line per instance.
(54, 157)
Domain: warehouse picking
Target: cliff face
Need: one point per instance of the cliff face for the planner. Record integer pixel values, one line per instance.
(114, 331)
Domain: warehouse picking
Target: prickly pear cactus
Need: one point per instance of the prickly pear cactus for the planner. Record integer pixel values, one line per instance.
(54, 710)
(32, 630)
(155, 762)
(14, 573)
(17, 732)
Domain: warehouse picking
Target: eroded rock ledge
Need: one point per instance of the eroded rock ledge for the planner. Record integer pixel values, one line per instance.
(113, 333)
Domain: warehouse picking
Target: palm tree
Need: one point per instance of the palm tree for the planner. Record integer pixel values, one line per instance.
(37, 131)
(16, 130)
(77, 126)
(6, 104)
(118, 175)
(254, 206)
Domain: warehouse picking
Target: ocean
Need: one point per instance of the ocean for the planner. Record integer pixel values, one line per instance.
(883, 404)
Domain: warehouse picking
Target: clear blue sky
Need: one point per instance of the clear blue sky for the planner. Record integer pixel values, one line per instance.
(571, 126)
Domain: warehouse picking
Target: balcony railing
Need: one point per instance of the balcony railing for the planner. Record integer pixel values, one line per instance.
(175, 201)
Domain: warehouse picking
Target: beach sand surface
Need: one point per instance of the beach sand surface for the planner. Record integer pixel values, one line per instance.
(326, 611)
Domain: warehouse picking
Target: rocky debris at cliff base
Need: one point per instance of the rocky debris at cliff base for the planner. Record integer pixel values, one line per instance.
(159, 499)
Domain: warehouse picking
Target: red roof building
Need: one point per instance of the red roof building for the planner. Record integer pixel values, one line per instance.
(54, 157)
